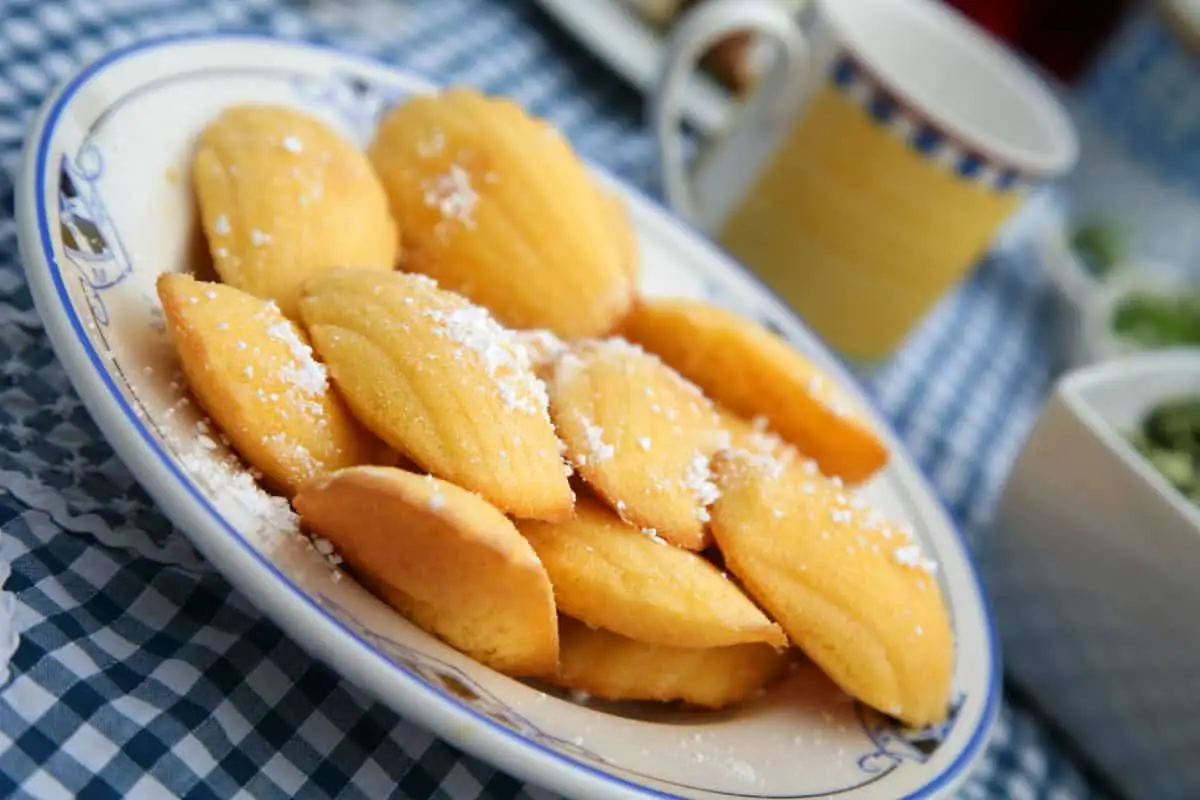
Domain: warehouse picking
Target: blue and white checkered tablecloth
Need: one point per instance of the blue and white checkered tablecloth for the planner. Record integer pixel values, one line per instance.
(141, 673)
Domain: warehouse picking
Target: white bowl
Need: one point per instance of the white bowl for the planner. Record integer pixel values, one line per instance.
(1094, 573)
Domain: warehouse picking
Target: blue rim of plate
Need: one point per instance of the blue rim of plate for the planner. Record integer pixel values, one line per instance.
(39, 150)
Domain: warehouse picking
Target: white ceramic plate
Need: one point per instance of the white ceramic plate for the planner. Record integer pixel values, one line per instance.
(104, 207)
(634, 49)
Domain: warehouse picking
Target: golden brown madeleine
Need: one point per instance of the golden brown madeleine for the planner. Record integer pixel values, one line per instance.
(623, 233)
(614, 576)
(253, 372)
(445, 558)
(612, 667)
(640, 435)
(753, 372)
(753, 435)
(438, 379)
(495, 204)
(282, 197)
(851, 589)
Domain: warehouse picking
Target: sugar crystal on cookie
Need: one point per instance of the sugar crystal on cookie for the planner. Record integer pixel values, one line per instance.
(504, 358)
(452, 195)
(597, 448)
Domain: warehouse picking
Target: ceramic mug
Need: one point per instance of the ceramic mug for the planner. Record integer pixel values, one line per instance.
(871, 166)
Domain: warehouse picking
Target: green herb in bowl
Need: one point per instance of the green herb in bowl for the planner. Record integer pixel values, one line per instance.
(1099, 247)
(1169, 438)
(1153, 319)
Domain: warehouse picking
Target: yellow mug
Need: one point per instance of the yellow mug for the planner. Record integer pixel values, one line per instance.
(872, 165)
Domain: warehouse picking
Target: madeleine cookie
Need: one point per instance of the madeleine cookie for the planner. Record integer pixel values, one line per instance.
(254, 373)
(282, 197)
(612, 667)
(753, 372)
(444, 558)
(639, 435)
(494, 204)
(623, 233)
(753, 436)
(613, 576)
(438, 379)
(851, 589)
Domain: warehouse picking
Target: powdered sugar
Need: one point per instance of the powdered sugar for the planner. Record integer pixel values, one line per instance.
(304, 374)
(652, 533)
(432, 146)
(543, 346)
(296, 453)
(227, 481)
(326, 551)
(504, 358)
(597, 449)
(910, 555)
(452, 195)
(698, 480)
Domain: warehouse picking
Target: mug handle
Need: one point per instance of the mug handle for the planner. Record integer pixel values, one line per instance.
(690, 37)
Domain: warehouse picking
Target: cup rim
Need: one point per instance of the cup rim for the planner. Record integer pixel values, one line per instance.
(1009, 72)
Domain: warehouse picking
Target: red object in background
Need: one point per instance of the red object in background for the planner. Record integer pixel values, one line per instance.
(1061, 35)
(1004, 19)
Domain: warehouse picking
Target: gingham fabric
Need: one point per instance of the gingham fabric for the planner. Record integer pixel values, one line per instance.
(141, 673)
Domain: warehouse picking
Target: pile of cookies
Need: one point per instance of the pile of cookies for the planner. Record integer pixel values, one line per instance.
(436, 351)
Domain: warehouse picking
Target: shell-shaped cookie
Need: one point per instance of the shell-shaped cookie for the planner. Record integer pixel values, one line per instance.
(639, 435)
(444, 558)
(254, 373)
(495, 204)
(611, 575)
(612, 667)
(753, 372)
(438, 379)
(282, 197)
(753, 435)
(852, 589)
(623, 233)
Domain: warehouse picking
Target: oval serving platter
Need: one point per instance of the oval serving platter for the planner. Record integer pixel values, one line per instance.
(104, 206)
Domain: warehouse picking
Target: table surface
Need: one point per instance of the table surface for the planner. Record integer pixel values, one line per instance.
(141, 673)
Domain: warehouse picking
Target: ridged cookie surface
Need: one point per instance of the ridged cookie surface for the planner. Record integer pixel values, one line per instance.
(612, 667)
(851, 588)
(444, 558)
(495, 204)
(614, 576)
(640, 436)
(254, 373)
(753, 372)
(438, 379)
(282, 197)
